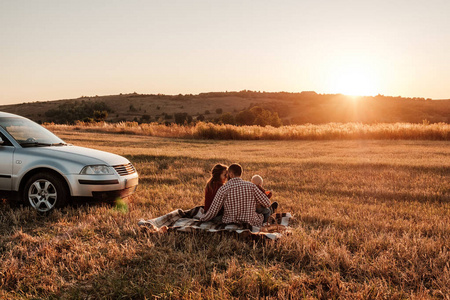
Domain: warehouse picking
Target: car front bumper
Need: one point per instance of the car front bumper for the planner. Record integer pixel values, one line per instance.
(96, 185)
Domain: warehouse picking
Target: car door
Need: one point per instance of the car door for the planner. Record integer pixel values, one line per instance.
(6, 163)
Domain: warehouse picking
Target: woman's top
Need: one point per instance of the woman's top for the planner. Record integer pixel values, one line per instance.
(210, 193)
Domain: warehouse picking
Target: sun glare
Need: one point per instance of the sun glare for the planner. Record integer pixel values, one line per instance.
(354, 79)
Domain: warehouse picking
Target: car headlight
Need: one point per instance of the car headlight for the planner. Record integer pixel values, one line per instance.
(96, 170)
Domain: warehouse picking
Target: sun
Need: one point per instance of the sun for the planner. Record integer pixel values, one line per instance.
(354, 79)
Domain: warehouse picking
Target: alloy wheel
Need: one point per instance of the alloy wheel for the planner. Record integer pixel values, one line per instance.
(42, 195)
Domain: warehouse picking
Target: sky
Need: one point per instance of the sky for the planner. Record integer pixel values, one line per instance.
(60, 49)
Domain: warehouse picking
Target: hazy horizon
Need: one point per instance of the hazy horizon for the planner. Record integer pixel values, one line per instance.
(195, 94)
(54, 50)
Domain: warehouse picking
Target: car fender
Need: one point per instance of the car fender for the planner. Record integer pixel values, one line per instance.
(47, 164)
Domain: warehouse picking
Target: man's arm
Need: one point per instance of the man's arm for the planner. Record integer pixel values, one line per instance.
(261, 197)
(216, 205)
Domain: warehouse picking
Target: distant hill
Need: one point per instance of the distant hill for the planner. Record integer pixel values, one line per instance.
(293, 108)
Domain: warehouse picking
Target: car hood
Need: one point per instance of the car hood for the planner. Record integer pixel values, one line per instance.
(83, 155)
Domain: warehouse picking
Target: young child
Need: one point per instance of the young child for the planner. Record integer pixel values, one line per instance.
(266, 211)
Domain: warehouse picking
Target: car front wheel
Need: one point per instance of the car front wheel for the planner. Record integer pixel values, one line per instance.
(44, 192)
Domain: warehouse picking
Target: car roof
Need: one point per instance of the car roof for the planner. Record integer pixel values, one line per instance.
(8, 115)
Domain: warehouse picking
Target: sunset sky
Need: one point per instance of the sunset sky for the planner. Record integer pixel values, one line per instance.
(57, 49)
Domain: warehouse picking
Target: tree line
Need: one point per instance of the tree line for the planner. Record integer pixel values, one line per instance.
(70, 112)
(73, 111)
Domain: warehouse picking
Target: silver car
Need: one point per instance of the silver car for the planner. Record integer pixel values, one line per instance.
(46, 172)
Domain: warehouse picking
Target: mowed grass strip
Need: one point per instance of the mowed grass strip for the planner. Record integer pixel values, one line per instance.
(371, 221)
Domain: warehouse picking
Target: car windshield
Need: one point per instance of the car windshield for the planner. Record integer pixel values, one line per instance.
(29, 134)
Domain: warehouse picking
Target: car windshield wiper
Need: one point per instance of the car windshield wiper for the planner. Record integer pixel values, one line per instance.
(38, 144)
(34, 144)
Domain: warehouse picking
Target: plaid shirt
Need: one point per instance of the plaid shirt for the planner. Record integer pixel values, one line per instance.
(239, 199)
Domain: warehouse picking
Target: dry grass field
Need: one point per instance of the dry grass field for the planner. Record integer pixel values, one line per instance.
(329, 131)
(371, 221)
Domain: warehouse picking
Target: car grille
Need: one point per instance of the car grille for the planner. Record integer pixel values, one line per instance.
(125, 169)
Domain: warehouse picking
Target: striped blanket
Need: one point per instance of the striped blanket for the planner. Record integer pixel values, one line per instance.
(187, 221)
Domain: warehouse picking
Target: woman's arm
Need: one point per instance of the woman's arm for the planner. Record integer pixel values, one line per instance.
(216, 205)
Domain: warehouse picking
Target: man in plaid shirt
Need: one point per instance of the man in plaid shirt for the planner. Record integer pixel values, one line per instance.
(238, 199)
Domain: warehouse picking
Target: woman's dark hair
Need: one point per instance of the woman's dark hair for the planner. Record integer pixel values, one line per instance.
(215, 176)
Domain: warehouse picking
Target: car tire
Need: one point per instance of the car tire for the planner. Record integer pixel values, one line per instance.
(45, 192)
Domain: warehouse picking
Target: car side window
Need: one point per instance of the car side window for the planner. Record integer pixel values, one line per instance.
(6, 142)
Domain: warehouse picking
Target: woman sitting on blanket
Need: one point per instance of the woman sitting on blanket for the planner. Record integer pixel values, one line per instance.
(218, 178)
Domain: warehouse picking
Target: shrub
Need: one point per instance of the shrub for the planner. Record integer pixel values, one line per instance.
(88, 120)
(100, 115)
(132, 108)
(182, 118)
(146, 118)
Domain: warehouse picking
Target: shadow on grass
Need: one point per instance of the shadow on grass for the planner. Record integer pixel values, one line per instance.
(173, 267)
(91, 202)
(164, 161)
(11, 199)
(380, 196)
(11, 205)
(436, 170)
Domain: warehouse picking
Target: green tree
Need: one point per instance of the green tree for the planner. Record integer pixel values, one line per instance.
(227, 118)
(275, 120)
(245, 117)
(258, 116)
(69, 112)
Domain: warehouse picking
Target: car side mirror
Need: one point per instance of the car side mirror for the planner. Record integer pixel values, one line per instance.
(1, 141)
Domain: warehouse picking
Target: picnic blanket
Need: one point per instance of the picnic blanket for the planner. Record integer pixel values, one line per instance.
(188, 221)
